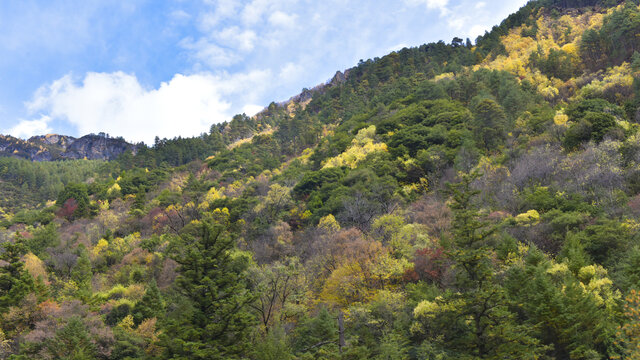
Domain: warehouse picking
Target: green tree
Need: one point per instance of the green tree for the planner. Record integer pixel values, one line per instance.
(77, 195)
(72, 342)
(139, 201)
(151, 304)
(317, 335)
(43, 237)
(15, 281)
(212, 278)
(82, 273)
(490, 124)
(571, 308)
(475, 321)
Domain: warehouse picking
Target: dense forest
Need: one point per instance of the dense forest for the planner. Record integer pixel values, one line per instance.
(462, 200)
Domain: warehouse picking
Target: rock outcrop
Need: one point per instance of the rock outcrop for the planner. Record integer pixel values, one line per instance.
(61, 147)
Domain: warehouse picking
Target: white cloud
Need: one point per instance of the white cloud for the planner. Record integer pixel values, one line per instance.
(28, 128)
(251, 109)
(457, 22)
(209, 53)
(222, 9)
(396, 47)
(477, 30)
(234, 37)
(252, 12)
(437, 4)
(431, 5)
(118, 104)
(282, 19)
(482, 18)
(291, 72)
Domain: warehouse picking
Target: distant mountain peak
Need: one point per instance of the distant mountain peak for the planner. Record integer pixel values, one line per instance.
(51, 147)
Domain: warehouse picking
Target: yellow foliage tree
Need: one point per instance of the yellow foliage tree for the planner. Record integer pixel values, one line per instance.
(357, 280)
(361, 146)
(100, 247)
(329, 223)
(629, 333)
(560, 118)
(35, 267)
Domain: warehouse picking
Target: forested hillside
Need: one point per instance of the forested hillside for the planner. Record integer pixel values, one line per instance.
(462, 200)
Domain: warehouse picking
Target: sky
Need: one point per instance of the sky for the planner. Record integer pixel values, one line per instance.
(146, 68)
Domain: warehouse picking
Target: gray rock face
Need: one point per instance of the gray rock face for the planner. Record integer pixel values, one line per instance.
(61, 147)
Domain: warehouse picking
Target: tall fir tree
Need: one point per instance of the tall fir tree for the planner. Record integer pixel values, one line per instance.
(15, 281)
(151, 305)
(82, 273)
(474, 321)
(212, 278)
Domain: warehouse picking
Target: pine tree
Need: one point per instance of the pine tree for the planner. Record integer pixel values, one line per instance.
(471, 235)
(151, 304)
(15, 281)
(213, 281)
(475, 321)
(82, 273)
(139, 201)
(73, 341)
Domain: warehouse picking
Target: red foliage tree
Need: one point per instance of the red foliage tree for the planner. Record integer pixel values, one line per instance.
(68, 209)
(429, 264)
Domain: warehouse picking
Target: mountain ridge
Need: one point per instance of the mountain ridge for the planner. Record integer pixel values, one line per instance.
(51, 147)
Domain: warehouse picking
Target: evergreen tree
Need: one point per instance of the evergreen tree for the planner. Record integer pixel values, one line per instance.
(78, 195)
(139, 201)
(212, 279)
(82, 273)
(73, 341)
(15, 281)
(489, 124)
(475, 321)
(151, 304)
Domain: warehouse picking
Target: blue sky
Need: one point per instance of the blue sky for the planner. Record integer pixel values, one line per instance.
(141, 68)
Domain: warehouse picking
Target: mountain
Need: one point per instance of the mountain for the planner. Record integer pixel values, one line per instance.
(461, 200)
(60, 147)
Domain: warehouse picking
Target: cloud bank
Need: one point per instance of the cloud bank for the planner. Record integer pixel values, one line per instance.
(111, 102)
(28, 128)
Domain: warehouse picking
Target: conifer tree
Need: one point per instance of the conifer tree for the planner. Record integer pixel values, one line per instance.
(151, 304)
(475, 321)
(82, 273)
(212, 278)
(15, 281)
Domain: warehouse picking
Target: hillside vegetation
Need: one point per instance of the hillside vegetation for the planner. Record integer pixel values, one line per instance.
(451, 201)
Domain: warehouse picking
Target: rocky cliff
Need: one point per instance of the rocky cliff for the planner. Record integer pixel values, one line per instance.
(60, 147)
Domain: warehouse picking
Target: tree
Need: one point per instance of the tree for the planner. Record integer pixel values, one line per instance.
(82, 273)
(212, 278)
(317, 335)
(74, 196)
(490, 124)
(43, 237)
(629, 332)
(139, 203)
(151, 305)
(570, 307)
(67, 331)
(475, 321)
(72, 342)
(15, 281)
(279, 287)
